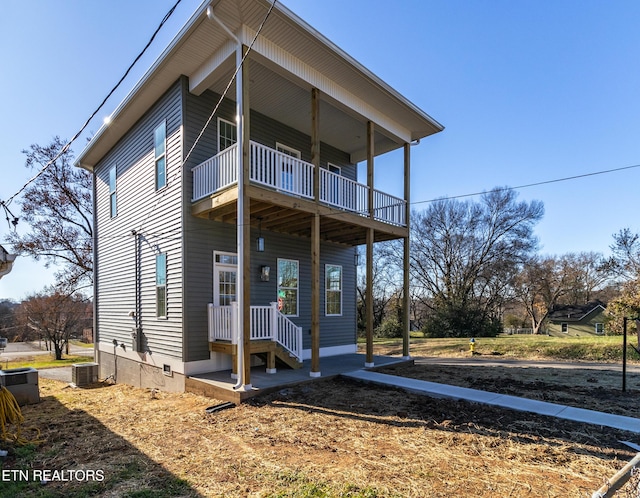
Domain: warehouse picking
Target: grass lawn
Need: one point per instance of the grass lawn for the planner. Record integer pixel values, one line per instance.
(42, 361)
(588, 348)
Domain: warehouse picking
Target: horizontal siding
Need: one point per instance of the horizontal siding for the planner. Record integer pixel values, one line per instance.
(157, 216)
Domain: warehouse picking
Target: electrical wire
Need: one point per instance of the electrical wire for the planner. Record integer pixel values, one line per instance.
(66, 147)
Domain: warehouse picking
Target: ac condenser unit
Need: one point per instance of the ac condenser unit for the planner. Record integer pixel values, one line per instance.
(22, 383)
(84, 374)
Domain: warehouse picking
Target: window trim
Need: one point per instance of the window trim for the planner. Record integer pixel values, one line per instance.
(161, 258)
(327, 290)
(602, 328)
(285, 149)
(334, 168)
(234, 125)
(158, 157)
(297, 288)
(564, 327)
(113, 191)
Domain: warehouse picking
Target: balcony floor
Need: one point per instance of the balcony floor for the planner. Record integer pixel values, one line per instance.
(284, 213)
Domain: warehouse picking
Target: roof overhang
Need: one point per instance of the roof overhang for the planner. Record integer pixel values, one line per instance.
(288, 55)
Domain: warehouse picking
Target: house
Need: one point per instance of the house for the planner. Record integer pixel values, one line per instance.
(585, 319)
(6, 262)
(228, 209)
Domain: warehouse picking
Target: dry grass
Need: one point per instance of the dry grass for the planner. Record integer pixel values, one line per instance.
(329, 438)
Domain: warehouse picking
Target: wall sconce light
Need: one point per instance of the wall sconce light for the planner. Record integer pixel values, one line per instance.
(260, 239)
(264, 273)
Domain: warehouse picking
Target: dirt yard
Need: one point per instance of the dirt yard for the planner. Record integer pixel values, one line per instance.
(599, 390)
(327, 438)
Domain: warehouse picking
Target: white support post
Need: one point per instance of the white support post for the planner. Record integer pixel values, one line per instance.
(274, 321)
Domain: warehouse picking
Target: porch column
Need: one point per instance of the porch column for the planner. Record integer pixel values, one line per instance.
(243, 224)
(406, 298)
(315, 236)
(370, 239)
(315, 296)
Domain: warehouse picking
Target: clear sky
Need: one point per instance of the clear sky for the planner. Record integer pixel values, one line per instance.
(528, 91)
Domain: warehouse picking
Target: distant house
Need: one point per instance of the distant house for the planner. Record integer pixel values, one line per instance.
(6, 261)
(577, 320)
(225, 239)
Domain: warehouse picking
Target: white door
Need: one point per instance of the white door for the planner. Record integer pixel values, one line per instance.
(225, 272)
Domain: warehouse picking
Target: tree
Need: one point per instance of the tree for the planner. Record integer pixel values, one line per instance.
(464, 254)
(58, 208)
(55, 316)
(588, 273)
(540, 285)
(387, 283)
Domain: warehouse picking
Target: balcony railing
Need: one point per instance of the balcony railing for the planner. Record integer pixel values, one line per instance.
(290, 175)
(267, 324)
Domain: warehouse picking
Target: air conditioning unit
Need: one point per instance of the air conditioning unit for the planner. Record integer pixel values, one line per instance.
(84, 374)
(22, 383)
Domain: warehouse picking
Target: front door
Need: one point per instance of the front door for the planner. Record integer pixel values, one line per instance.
(225, 272)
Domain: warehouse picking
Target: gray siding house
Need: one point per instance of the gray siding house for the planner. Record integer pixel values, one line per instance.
(228, 209)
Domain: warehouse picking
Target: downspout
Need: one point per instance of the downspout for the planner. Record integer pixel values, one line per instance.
(239, 229)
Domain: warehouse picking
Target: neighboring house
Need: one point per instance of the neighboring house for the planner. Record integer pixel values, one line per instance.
(222, 246)
(6, 262)
(585, 319)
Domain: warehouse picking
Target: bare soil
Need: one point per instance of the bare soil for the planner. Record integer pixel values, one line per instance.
(599, 390)
(332, 437)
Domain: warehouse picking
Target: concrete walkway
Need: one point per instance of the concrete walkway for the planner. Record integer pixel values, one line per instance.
(502, 400)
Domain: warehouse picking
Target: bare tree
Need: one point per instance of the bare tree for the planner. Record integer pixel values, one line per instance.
(540, 285)
(55, 316)
(464, 254)
(58, 209)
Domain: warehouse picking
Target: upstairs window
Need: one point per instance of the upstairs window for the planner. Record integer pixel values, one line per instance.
(227, 134)
(112, 192)
(160, 147)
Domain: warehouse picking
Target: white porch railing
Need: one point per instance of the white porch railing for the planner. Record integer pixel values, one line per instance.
(267, 324)
(293, 176)
(216, 173)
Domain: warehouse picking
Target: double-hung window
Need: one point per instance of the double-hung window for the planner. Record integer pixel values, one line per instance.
(113, 203)
(160, 149)
(227, 134)
(333, 290)
(288, 281)
(161, 285)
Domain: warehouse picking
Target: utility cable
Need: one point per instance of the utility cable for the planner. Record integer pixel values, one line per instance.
(66, 147)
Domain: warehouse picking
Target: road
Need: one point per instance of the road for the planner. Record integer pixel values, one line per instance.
(20, 349)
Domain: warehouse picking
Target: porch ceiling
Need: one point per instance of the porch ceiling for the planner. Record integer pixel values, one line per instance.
(293, 216)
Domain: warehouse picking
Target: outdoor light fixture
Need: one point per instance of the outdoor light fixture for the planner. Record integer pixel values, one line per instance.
(264, 273)
(260, 239)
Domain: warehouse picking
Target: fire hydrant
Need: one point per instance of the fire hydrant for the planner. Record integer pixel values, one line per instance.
(472, 346)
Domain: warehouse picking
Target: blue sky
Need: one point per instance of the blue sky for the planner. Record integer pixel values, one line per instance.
(528, 91)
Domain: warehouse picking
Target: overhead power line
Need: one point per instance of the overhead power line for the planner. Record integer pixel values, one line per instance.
(546, 182)
(93, 114)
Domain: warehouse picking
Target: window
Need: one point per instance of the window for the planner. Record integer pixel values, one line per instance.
(333, 290)
(600, 328)
(288, 286)
(565, 328)
(288, 166)
(227, 134)
(160, 147)
(161, 285)
(112, 192)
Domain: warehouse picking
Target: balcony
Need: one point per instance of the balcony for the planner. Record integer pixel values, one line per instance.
(285, 175)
